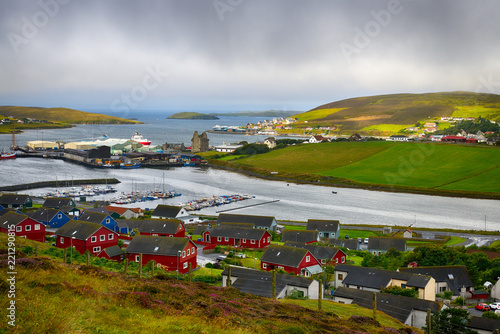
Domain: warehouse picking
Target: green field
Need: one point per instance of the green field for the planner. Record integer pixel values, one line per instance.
(317, 114)
(431, 166)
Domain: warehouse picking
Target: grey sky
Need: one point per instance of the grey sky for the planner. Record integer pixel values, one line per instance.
(242, 54)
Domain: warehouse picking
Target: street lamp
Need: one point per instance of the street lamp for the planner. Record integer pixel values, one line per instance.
(178, 256)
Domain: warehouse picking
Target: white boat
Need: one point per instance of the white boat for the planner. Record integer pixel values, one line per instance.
(139, 138)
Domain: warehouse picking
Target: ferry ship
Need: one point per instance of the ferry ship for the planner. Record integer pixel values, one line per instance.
(139, 138)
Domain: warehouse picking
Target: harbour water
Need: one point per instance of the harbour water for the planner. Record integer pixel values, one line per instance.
(296, 201)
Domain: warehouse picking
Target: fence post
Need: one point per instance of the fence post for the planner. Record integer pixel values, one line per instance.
(228, 282)
(140, 265)
(320, 296)
(189, 273)
(152, 268)
(65, 255)
(36, 250)
(428, 321)
(374, 306)
(125, 262)
(274, 284)
(88, 258)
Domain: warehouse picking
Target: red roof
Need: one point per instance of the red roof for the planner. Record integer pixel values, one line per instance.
(453, 137)
(118, 209)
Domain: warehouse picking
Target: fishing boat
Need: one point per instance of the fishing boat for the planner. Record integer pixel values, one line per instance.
(7, 155)
(130, 165)
(140, 139)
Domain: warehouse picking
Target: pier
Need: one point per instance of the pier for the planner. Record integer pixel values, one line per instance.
(56, 184)
(248, 206)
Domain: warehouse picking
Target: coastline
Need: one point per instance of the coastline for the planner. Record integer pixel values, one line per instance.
(374, 187)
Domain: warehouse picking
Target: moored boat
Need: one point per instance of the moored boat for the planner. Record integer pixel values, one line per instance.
(140, 139)
(130, 165)
(8, 155)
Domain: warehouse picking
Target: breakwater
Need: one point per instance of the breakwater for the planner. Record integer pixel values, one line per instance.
(60, 183)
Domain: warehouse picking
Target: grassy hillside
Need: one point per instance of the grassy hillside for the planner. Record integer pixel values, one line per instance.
(411, 166)
(53, 297)
(62, 115)
(385, 113)
(191, 115)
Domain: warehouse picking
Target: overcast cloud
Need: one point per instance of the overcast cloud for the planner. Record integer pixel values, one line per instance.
(242, 54)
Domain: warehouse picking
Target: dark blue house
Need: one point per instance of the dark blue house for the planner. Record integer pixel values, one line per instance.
(103, 219)
(52, 218)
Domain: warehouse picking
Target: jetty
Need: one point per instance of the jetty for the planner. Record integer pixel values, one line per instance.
(58, 183)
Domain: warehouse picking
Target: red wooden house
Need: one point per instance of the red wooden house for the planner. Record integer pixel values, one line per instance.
(23, 226)
(236, 236)
(85, 236)
(112, 253)
(171, 254)
(298, 261)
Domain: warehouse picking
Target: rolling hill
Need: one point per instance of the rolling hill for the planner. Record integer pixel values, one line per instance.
(397, 111)
(62, 115)
(191, 115)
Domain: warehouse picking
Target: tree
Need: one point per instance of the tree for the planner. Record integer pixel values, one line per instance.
(450, 321)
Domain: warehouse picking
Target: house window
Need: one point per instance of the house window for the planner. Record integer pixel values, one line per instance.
(306, 273)
(107, 220)
(340, 277)
(19, 228)
(323, 261)
(137, 258)
(188, 252)
(264, 265)
(268, 239)
(61, 240)
(59, 216)
(244, 240)
(336, 260)
(102, 237)
(281, 267)
(97, 249)
(192, 250)
(252, 241)
(226, 238)
(343, 259)
(183, 254)
(403, 286)
(308, 258)
(28, 228)
(110, 236)
(37, 227)
(219, 239)
(93, 239)
(185, 265)
(154, 234)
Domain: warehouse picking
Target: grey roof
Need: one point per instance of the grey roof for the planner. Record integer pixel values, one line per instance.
(11, 217)
(261, 221)
(260, 283)
(335, 242)
(79, 229)
(198, 230)
(146, 244)
(168, 211)
(455, 276)
(319, 252)
(131, 223)
(284, 255)
(380, 243)
(14, 199)
(323, 225)
(57, 202)
(351, 244)
(379, 278)
(399, 307)
(93, 217)
(68, 208)
(232, 231)
(43, 214)
(481, 323)
(113, 251)
(5, 210)
(299, 236)
(167, 226)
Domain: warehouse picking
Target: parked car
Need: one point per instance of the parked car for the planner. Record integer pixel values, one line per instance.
(366, 240)
(359, 240)
(240, 255)
(497, 312)
(482, 307)
(346, 236)
(495, 306)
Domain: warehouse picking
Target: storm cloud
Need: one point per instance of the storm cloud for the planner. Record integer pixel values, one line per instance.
(242, 54)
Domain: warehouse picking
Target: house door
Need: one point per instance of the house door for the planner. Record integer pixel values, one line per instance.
(327, 235)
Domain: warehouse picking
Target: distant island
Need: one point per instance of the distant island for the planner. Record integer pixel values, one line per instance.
(266, 113)
(191, 115)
